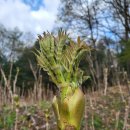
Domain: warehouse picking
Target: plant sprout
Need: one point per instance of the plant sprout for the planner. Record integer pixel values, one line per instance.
(60, 56)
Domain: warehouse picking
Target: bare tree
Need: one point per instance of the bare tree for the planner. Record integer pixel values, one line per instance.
(82, 16)
(120, 12)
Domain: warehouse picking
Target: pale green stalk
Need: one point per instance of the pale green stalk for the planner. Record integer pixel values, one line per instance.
(61, 61)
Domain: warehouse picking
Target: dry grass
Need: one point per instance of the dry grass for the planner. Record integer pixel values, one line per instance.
(103, 112)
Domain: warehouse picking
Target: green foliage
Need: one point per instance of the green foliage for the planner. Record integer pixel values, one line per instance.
(97, 122)
(45, 105)
(10, 120)
(7, 119)
(24, 128)
(60, 57)
(124, 56)
(25, 75)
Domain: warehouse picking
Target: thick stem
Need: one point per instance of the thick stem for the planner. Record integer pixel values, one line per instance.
(69, 111)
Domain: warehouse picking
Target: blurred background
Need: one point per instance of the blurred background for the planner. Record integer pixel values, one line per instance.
(103, 24)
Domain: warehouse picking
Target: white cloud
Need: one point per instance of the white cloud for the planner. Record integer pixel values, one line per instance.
(16, 13)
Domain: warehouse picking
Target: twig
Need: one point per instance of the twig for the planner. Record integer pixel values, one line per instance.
(117, 120)
(126, 115)
(91, 104)
(105, 80)
(15, 81)
(7, 85)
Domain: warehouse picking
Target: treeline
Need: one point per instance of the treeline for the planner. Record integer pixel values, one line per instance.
(103, 24)
(17, 59)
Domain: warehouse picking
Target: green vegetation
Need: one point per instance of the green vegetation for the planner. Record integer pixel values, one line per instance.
(102, 113)
(60, 57)
(124, 56)
(7, 118)
(47, 91)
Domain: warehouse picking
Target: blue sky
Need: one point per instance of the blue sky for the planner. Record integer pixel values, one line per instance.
(33, 16)
(34, 4)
